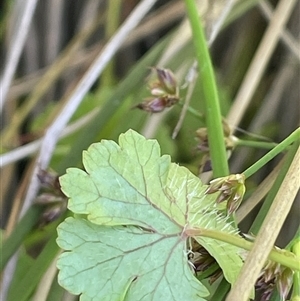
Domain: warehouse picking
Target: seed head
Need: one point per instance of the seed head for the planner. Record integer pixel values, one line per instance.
(164, 91)
(51, 197)
(274, 275)
(231, 188)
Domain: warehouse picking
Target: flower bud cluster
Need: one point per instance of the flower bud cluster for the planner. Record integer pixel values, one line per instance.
(274, 275)
(203, 145)
(202, 137)
(202, 261)
(52, 198)
(231, 188)
(164, 91)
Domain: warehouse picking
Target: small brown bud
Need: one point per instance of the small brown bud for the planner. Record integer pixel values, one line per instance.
(275, 275)
(232, 190)
(48, 179)
(166, 80)
(164, 90)
(51, 197)
(48, 198)
(153, 105)
(52, 213)
(284, 282)
(202, 137)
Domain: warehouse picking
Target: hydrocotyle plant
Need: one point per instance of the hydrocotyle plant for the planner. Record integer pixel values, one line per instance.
(135, 216)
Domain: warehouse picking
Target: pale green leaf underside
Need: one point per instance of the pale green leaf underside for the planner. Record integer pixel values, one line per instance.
(131, 184)
(124, 263)
(225, 254)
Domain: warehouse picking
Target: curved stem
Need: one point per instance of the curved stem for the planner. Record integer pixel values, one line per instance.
(112, 23)
(272, 153)
(275, 255)
(256, 144)
(193, 111)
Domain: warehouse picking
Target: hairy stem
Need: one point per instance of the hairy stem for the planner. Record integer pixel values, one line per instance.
(275, 255)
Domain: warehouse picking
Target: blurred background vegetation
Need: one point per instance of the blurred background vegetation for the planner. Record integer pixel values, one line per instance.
(48, 49)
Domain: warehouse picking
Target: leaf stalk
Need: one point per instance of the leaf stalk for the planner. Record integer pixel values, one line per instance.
(272, 153)
(275, 255)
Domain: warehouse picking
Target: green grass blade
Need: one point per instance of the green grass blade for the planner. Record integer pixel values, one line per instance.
(111, 106)
(13, 242)
(272, 153)
(26, 287)
(271, 195)
(212, 107)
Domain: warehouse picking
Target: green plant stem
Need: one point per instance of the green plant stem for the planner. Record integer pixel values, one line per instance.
(209, 271)
(112, 20)
(271, 154)
(268, 233)
(193, 111)
(239, 9)
(111, 26)
(275, 255)
(212, 107)
(256, 144)
(296, 277)
(34, 274)
(221, 291)
(13, 242)
(273, 191)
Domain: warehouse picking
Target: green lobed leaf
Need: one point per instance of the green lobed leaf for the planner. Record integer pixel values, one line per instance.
(124, 263)
(227, 256)
(133, 244)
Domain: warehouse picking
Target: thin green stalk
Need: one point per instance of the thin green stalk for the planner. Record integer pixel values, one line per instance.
(209, 271)
(221, 291)
(271, 154)
(111, 26)
(296, 278)
(34, 274)
(212, 107)
(5, 14)
(239, 9)
(256, 144)
(112, 20)
(273, 191)
(13, 242)
(295, 240)
(275, 255)
(193, 111)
